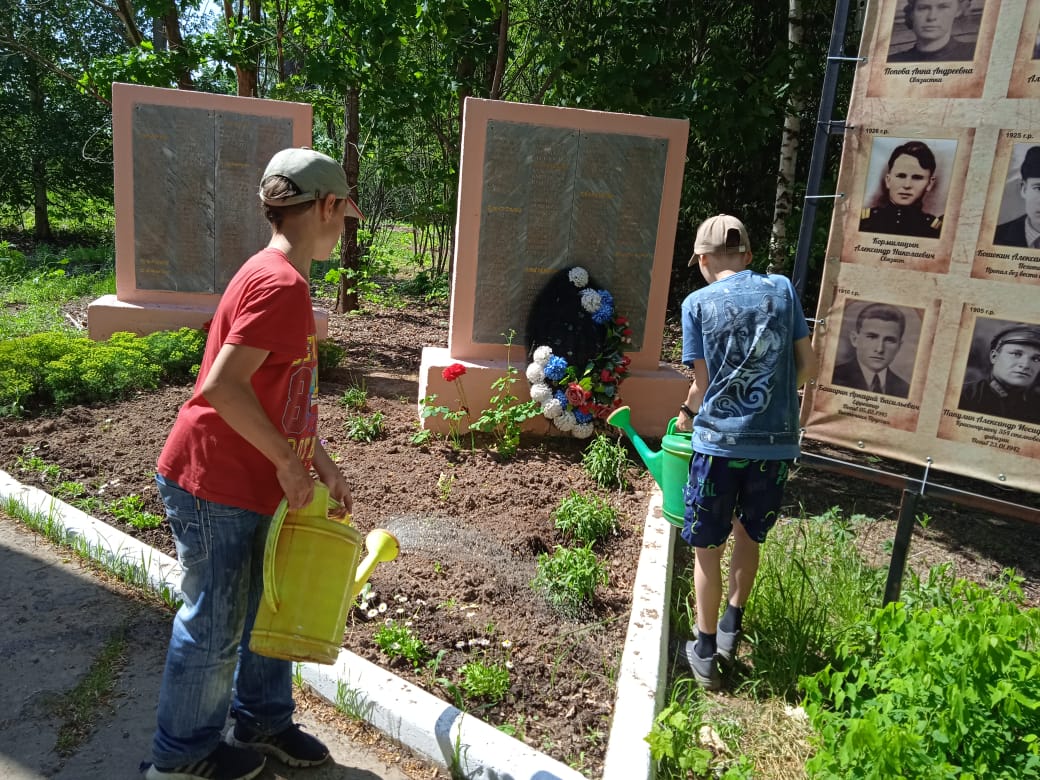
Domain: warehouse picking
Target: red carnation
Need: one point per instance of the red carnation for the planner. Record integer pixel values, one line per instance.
(621, 320)
(627, 332)
(605, 375)
(453, 372)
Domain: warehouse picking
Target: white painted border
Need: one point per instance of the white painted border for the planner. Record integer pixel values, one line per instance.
(430, 727)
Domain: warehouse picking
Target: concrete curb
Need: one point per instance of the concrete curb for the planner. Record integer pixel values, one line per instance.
(426, 725)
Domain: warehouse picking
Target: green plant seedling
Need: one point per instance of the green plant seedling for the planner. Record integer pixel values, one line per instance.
(568, 578)
(354, 398)
(589, 519)
(362, 427)
(485, 681)
(330, 354)
(398, 641)
(445, 482)
(130, 509)
(606, 461)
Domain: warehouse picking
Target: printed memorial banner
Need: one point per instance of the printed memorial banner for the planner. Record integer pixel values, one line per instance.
(928, 326)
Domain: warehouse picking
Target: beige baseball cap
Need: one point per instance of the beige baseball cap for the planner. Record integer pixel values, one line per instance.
(714, 237)
(314, 174)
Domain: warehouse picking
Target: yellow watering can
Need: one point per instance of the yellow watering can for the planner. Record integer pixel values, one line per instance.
(311, 579)
(670, 466)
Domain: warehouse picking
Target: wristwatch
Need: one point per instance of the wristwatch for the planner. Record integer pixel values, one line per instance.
(687, 411)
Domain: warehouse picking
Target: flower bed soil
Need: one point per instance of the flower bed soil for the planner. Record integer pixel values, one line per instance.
(471, 526)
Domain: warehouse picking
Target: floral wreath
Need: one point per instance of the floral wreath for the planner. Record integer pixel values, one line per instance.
(572, 396)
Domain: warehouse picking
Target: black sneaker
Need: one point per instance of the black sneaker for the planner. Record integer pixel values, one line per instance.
(292, 746)
(705, 670)
(224, 763)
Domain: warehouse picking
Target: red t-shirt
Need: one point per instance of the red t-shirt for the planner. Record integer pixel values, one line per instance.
(267, 305)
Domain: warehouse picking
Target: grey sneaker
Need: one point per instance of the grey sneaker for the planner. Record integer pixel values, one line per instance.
(705, 670)
(726, 644)
(224, 763)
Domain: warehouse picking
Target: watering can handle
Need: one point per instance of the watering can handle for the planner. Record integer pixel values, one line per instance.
(671, 426)
(270, 586)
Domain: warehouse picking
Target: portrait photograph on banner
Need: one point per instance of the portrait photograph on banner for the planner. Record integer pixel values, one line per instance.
(905, 199)
(872, 354)
(1025, 72)
(931, 48)
(1009, 239)
(993, 394)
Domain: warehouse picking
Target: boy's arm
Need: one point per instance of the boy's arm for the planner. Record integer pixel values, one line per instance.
(694, 395)
(806, 366)
(229, 390)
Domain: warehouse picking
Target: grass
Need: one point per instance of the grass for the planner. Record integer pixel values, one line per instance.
(79, 707)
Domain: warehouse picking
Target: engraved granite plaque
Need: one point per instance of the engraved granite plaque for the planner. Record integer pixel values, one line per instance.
(196, 212)
(555, 197)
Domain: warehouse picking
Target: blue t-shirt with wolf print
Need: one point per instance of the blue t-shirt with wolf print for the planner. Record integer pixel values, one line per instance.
(744, 327)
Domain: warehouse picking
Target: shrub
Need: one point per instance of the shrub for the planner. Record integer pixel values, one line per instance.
(585, 518)
(947, 692)
(568, 579)
(606, 461)
(177, 353)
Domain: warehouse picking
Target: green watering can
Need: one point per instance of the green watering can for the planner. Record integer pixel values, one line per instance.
(670, 466)
(311, 579)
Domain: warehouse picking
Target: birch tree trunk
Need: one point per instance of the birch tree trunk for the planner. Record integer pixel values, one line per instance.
(788, 146)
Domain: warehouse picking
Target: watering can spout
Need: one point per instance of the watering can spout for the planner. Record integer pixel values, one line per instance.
(382, 546)
(622, 418)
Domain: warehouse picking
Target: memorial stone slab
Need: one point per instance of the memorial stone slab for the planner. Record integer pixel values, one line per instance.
(187, 166)
(544, 188)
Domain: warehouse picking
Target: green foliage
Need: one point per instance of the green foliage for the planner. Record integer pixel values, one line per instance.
(588, 519)
(330, 354)
(568, 579)
(811, 588)
(364, 427)
(950, 691)
(485, 681)
(605, 460)
(397, 641)
(130, 509)
(53, 370)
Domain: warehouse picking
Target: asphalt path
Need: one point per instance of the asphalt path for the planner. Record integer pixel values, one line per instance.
(56, 619)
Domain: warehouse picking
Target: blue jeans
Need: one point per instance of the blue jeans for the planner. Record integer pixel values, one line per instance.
(209, 664)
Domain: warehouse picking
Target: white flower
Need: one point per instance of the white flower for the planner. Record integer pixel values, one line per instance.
(373, 613)
(535, 373)
(541, 392)
(541, 355)
(582, 430)
(509, 664)
(552, 408)
(460, 644)
(579, 277)
(506, 644)
(590, 301)
(565, 422)
(382, 606)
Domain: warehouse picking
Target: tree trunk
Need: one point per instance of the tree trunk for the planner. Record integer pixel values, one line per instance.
(42, 230)
(172, 23)
(500, 61)
(349, 256)
(788, 146)
(245, 73)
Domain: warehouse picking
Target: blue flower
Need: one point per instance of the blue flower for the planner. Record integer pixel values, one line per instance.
(555, 368)
(605, 312)
(561, 396)
(608, 390)
(582, 417)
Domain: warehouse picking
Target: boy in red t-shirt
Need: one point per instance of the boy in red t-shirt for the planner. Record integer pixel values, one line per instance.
(246, 438)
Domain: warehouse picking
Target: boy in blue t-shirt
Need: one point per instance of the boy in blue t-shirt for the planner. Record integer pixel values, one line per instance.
(746, 338)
